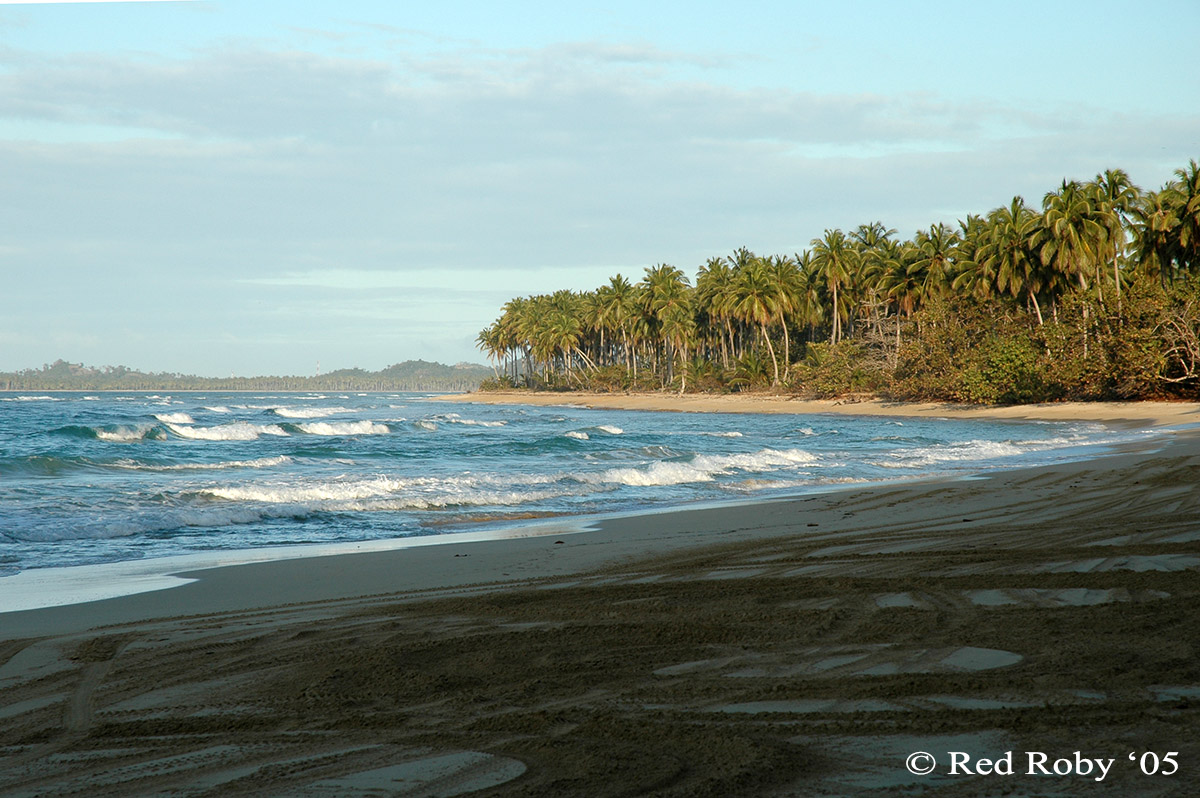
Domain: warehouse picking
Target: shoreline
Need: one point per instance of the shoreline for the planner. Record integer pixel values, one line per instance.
(612, 537)
(31, 590)
(784, 647)
(1126, 413)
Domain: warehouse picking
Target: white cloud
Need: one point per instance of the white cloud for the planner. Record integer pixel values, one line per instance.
(242, 175)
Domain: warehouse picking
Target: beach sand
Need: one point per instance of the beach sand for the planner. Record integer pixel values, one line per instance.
(1139, 413)
(798, 647)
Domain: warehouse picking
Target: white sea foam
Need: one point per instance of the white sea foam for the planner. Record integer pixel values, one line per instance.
(237, 431)
(308, 493)
(455, 418)
(610, 429)
(654, 474)
(122, 434)
(579, 436)
(723, 434)
(219, 409)
(423, 424)
(261, 462)
(702, 468)
(344, 428)
(310, 412)
(386, 493)
(174, 418)
(952, 452)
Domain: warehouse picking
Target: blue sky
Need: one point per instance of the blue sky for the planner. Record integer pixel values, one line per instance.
(253, 187)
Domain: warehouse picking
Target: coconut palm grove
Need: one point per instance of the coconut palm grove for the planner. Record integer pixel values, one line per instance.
(1095, 295)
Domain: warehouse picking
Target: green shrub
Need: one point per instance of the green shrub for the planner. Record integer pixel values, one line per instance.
(838, 369)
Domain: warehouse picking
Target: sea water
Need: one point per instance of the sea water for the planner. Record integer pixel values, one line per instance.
(98, 478)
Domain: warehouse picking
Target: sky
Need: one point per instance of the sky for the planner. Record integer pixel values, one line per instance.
(262, 187)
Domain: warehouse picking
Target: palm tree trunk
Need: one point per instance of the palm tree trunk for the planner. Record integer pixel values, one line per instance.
(1117, 283)
(896, 359)
(1082, 288)
(835, 335)
(771, 349)
(787, 347)
(726, 346)
(683, 370)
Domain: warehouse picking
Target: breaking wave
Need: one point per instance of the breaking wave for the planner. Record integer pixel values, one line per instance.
(965, 451)
(386, 493)
(309, 412)
(261, 462)
(455, 418)
(114, 433)
(344, 428)
(174, 418)
(237, 431)
(703, 468)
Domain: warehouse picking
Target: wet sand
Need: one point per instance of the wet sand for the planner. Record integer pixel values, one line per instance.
(800, 647)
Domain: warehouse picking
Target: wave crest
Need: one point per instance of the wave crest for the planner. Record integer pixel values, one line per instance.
(237, 431)
(344, 428)
(174, 418)
(702, 468)
(309, 412)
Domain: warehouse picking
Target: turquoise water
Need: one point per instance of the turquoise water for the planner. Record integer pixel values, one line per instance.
(100, 478)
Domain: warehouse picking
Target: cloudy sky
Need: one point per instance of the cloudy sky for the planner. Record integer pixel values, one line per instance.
(253, 187)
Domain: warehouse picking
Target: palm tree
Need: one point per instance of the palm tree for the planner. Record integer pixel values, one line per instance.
(1007, 253)
(664, 287)
(488, 340)
(970, 237)
(809, 291)
(901, 285)
(785, 276)
(835, 260)
(934, 253)
(1185, 199)
(756, 302)
(1154, 224)
(614, 305)
(679, 328)
(515, 321)
(1115, 197)
(1071, 233)
(874, 244)
(714, 296)
(1071, 237)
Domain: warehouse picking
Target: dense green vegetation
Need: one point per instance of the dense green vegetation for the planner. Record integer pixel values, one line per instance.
(1094, 296)
(411, 375)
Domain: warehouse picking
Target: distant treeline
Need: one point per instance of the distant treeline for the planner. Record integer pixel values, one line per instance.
(1093, 295)
(411, 375)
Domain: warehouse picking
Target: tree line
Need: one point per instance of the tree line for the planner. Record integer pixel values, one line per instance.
(411, 375)
(1095, 294)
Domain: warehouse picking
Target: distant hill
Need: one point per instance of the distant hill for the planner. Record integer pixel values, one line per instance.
(411, 375)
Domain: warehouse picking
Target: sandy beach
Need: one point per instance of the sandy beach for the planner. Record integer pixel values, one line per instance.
(1138, 413)
(795, 647)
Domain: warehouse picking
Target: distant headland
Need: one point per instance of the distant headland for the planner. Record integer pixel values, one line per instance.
(411, 375)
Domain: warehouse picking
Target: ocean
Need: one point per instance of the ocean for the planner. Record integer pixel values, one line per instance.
(102, 478)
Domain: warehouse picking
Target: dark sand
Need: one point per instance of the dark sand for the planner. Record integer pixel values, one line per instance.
(793, 648)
